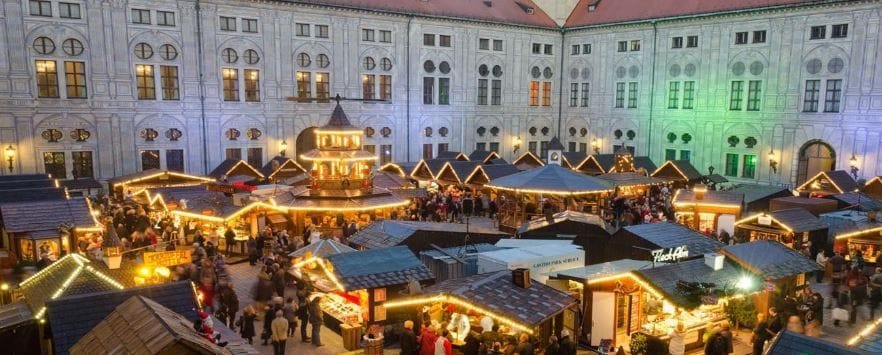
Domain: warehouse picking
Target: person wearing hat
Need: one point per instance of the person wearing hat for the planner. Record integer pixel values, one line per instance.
(567, 345)
(408, 339)
(279, 333)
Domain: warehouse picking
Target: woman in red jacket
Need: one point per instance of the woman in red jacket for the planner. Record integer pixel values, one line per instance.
(427, 339)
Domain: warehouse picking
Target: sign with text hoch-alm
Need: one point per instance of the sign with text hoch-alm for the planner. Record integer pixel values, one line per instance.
(668, 255)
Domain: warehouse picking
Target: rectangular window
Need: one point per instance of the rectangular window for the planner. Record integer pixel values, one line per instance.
(533, 147)
(301, 30)
(231, 84)
(749, 169)
(494, 147)
(670, 154)
(496, 93)
(537, 48)
(576, 49)
(736, 96)
(321, 31)
(692, 42)
(304, 89)
(428, 90)
(385, 36)
(322, 85)
(442, 147)
(583, 147)
(754, 92)
(677, 42)
(427, 151)
(165, 18)
(571, 146)
(759, 36)
(82, 165)
(252, 86)
(834, 95)
(169, 77)
(812, 96)
(635, 45)
(385, 87)
(250, 25)
(484, 44)
(534, 93)
(482, 91)
(546, 93)
(740, 37)
(54, 164)
(255, 157)
(632, 94)
(497, 45)
(444, 91)
(620, 95)
(69, 10)
(685, 155)
(585, 90)
(146, 82)
(140, 16)
(839, 31)
(481, 146)
(149, 159)
(688, 94)
(75, 77)
(40, 8)
(586, 48)
(574, 94)
(443, 41)
(174, 159)
(367, 35)
(385, 154)
(549, 49)
(818, 32)
(227, 23)
(233, 154)
(731, 165)
(543, 149)
(370, 148)
(673, 94)
(428, 39)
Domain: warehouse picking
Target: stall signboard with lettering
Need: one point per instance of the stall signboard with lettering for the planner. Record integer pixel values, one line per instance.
(764, 220)
(669, 255)
(167, 258)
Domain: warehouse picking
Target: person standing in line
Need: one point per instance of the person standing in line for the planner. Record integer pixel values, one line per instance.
(442, 345)
(553, 347)
(230, 241)
(760, 335)
(246, 324)
(875, 291)
(427, 339)
(315, 318)
(567, 345)
(525, 347)
(279, 333)
(408, 339)
(303, 315)
(821, 259)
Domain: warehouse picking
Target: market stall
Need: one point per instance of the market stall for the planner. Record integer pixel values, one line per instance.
(856, 201)
(120, 186)
(504, 298)
(483, 156)
(51, 227)
(483, 174)
(854, 232)
(598, 164)
(828, 183)
(873, 187)
(231, 168)
(284, 170)
(586, 230)
(708, 210)
(680, 173)
(757, 198)
(455, 172)
(631, 185)
(528, 161)
(793, 227)
(421, 236)
(426, 170)
(816, 206)
(540, 260)
(658, 242)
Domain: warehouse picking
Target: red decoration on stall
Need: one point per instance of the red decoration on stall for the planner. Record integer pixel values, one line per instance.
(240, 185)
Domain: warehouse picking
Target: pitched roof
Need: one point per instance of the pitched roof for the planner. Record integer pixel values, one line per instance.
(645, 163)
(140, 325)
(512, 12)
(432, 166)
(770, 259)
(789, 343)
(669, 235)
(26, 184)
(374, 268)
(279, 164)
(630, 179)
(155, 173)
(529, 159)
(871, 342)
(601, 12)
(496, 292)
(322, 248)
(19, 217)
(683, 170)
(851, 223)
(13, 314)
(575, 216)
(450, 154)
(34, 194)
(229, 166)
(389, 233)
(80, 184)
(574, 159)
(753, 192)
(72, 317)
(24, 177)
(551, 179)
(67, 276)
(665, 278)
(339, 120)
(483, 156)
(859, 200)
(496, 171)
(798, 219)
(728, 198)
(461, 169)
(596, 271)
(555, 144)
(839, 180)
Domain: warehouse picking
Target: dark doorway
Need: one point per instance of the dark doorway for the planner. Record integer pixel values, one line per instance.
(814, 157)
(305, 143)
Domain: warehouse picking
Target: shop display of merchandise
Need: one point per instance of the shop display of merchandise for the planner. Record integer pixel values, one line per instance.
(341, 309)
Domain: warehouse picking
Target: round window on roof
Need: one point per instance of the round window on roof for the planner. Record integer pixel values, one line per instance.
(251, 56)
(303, 60)
(143, 51)
(429, 66)
(323, 61)
(482, 70)
(72, 46)
(369, 63)
(168, 52)
(444, 67)
(386, 64)
(44, 45)
(229, 55)
(535, 72)
(497, 71)
(547, 73)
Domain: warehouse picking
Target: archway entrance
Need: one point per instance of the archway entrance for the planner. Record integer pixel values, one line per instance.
(305, 142)
(814, 157)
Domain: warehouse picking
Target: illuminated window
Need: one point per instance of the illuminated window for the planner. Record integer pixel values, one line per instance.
(252, 85)
(54, 164)
(812, 96)
(231, 84)
(169, 78)
(75, 77)
(833, 96)
(146, 82)
(322, 85)
(82, 165)
(731, 165)
(534, 93)
(546, 93)
(47, 78)
(367, 86)
(749, 168)
(303, 84)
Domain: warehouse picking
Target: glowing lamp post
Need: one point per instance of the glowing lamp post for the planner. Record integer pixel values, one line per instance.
(516, 141)
(595, 145)
(10, 156)
(853, 162)
(283, 147)
(773, 162)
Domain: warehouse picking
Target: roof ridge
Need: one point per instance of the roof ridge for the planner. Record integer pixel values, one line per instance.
(475, 285)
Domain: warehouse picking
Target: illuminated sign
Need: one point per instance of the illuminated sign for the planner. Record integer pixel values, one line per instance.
(670, 254)
(167, 258)
(764, 220)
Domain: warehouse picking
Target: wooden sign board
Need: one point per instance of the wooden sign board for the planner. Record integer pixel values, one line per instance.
(167, 258)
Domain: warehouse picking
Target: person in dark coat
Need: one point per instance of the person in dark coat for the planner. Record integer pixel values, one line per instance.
(315, 318)
(472, 342)
(279, 280)
(268, 318)
(230, 239)
(567, 345)
(230, 301)
(303, 313)
(246, 324)
(408, 340)
(553, 347)
(252, 250)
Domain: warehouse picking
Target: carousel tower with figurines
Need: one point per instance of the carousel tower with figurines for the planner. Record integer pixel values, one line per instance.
(338, 162)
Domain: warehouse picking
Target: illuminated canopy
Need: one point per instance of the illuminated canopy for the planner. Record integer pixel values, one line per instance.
(70, 275)
(551, 179)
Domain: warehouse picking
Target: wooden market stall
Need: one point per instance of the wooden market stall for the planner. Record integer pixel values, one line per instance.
(873, 187)
(401, 169)
(572, 160)
(631, 185)
(680, 173)
(505, 298)
(788, 342)
(528, 161)
(120, 186)
(452, 155)
(598, 164)
(426, 170)
(544, 191)
(231, 168)
(708, 210)
(52, 227)
(858, 201)
(483, 174)
(483, 156)
(284, 170)
(758, 197)
(793, 227)
(586, 230)
(854, 232)
(455, 172)
(816, 206)
(828, 183)
(422, 236)
(659, 242)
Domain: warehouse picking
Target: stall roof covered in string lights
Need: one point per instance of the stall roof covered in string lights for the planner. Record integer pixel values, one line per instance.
(551, 179)
(677, 171)
(829, 182)
(70, 275)
(483, 156)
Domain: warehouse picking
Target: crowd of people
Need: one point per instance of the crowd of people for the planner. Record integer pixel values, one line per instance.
(435, 339)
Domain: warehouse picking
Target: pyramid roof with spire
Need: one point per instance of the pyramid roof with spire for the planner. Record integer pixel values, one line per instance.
(555, 144)
(339, 121)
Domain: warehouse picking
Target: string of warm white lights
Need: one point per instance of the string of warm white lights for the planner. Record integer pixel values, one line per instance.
(461, 303)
